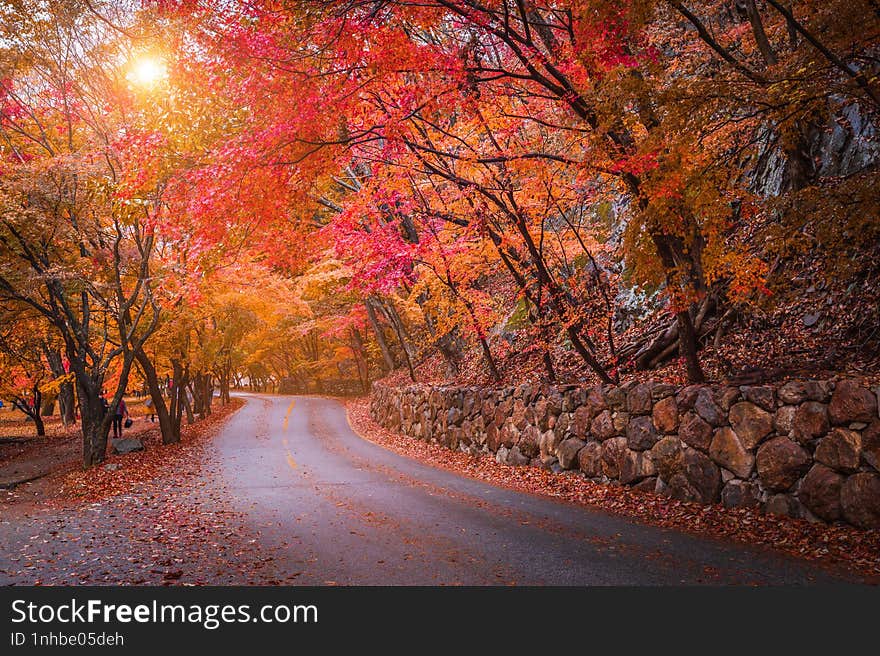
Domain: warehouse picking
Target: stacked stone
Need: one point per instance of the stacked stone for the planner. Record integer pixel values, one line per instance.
(804, 449)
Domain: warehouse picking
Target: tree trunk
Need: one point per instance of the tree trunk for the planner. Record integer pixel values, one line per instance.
(687, 336)
(170, 435)
(202, 389)
(95, 422)
(393, 318)
(179, 399)
(224, 380)
(751, 11)
(47, 407)
(360, 358)
(380, 335)
(66, 400)
(209, 393)
(187, 404)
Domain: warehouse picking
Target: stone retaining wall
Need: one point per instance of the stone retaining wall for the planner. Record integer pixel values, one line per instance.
(804, 449)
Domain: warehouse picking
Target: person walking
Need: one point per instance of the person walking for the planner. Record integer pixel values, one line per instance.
(121, 412)
(149, 404)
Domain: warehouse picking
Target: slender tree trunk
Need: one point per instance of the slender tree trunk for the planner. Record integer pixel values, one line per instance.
(764, 47)
(209, 393)
(224, 381)
(66, 401)
(394, 320)
(166, 426)
(187, 406)
(380, 335)
(32, 407)
(687, 335)
(360, 358)
(179, 398)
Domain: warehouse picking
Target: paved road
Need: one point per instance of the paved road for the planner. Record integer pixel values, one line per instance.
(332, 507)
(289, 494)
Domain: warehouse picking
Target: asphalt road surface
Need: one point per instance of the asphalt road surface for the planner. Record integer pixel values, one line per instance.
(341, 509)
(289, 494)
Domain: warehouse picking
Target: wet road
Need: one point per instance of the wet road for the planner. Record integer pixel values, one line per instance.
(332, 508)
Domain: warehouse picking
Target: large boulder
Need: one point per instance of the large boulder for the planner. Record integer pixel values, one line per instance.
(640, 433)
(784, 504)
(841, 449)
(492, 438)
(529, 440)
(727, 396)
(503, 410)
(668, 457)
(539, 412)
(740, 494)
(547, 444)
(127, 445)
(635, 466)
(728, 451)
(646, 484)
(860, 500)
(612, 451)
(614, 397)
(602, 427)
(517, 458)
(522, 414)
(596, 399)
(699, 481)
(695, 431)
(590, 459)
(562, 425)
(687, 396)
(638, 400)
(871, 444)
(706, 407)
(620, 420)
(810, 421)
(751, 423)
(760, 396)
(820, 492)
(781, 463)
(665, 415)
(852, 402)
(454, 416)
(793, 392)
(567, 452)
(662, 390)
(580, 421)
(783, 420)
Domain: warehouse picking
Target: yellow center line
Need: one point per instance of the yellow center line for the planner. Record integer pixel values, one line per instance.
(289, 410)
(290, 460)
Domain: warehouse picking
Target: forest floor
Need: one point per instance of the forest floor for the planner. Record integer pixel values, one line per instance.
(817, 319)
(26, 457)
(49, 468)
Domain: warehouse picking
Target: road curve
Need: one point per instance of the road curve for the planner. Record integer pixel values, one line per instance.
(333, 508)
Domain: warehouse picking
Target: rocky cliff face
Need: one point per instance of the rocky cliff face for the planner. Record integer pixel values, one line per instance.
(805, 449)
(847, 144)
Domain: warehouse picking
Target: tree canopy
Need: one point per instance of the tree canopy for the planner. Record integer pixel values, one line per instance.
(306, 196)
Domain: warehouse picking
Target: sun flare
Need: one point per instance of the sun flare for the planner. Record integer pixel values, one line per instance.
(147, 71)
